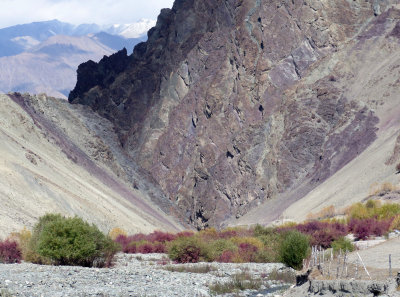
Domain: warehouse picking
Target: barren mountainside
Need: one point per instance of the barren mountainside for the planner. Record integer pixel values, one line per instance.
(233, 112)
(234, 104)
(61, 158)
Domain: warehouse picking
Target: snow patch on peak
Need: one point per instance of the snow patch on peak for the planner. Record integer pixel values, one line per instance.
(136, 30)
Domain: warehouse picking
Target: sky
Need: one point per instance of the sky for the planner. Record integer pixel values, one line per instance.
(102, 12)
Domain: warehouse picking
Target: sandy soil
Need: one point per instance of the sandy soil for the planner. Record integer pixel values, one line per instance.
(377, 257)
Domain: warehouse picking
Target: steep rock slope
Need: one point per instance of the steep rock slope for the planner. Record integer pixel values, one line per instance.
(224, 107)
(55, 157)
(365, 70)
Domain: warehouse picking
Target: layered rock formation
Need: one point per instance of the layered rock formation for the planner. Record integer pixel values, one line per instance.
(232, 103)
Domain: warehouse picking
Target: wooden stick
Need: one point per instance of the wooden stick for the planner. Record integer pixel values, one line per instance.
(356, 274)
(390, 265)
(365, 268)
(344, 262)
(329, 268)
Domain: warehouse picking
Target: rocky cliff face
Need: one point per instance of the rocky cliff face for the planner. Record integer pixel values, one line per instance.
(221, 105)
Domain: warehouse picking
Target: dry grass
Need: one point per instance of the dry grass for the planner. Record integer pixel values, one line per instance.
(382, 189)
(288, 276)
(5, 293)
(335, 269)
(325, 213)
(192, 269)
(239, 282)
(115, 232)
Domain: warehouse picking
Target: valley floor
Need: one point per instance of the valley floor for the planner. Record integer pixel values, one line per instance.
(132, 275)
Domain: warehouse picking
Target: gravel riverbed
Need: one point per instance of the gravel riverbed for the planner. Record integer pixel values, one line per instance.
(132, 275)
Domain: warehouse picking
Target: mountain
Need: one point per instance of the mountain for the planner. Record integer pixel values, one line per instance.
(231, 113)
(134, 30)
(59, 158)
(245, 111)
(17, 39)
(56, 49)
(50, 66)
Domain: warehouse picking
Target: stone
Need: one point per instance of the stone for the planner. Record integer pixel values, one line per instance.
(222, 108)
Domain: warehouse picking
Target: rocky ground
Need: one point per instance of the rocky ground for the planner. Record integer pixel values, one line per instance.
(132, 275)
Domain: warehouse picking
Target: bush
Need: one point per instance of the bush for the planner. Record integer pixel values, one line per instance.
(388, 211)
(115, 232)
(261, 231)
(189, 250)
(253, 241)
(32, 253)
(145, 248)
(294, 248)
(395, 225)
(358, 211)
(219, 246)
(226, 257)
(23, 238)
(152, 243)
(322, 233)
(71, 241)
(10, 252)
(343, 244)
(248, 252)
(362, 229)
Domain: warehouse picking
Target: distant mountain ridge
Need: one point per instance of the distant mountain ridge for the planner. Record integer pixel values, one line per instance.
(17, 39)
(57, 48)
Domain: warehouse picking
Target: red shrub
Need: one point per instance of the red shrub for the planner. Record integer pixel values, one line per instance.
(10, 252)
(137, 237)
(185, 234)
(129, 249)
(146, 248)
(226, 257)
(247, 252)
(362, 229)
(158, 236)
(227, 234)
(159, 248)
(154, 242)
(322, 233)
(191, 254)
(382, 227)
(122, 240)
(322, 238)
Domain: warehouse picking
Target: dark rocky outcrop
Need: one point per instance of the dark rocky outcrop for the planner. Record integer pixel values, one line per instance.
(91, 74)
(219, 105)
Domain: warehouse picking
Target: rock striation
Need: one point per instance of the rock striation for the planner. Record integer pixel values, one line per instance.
(233, 103)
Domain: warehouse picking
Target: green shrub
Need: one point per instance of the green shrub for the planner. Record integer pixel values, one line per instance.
(71, 241)
(31, 253)
(219, 246)
(294, 248)
(388, 211)
(189, 250)
(266, 256)
(272, 241)
(343, 244)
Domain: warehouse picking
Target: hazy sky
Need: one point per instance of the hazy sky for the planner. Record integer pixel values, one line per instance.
(13, 12)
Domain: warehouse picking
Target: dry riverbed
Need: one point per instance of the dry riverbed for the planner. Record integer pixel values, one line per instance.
(137, 275)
